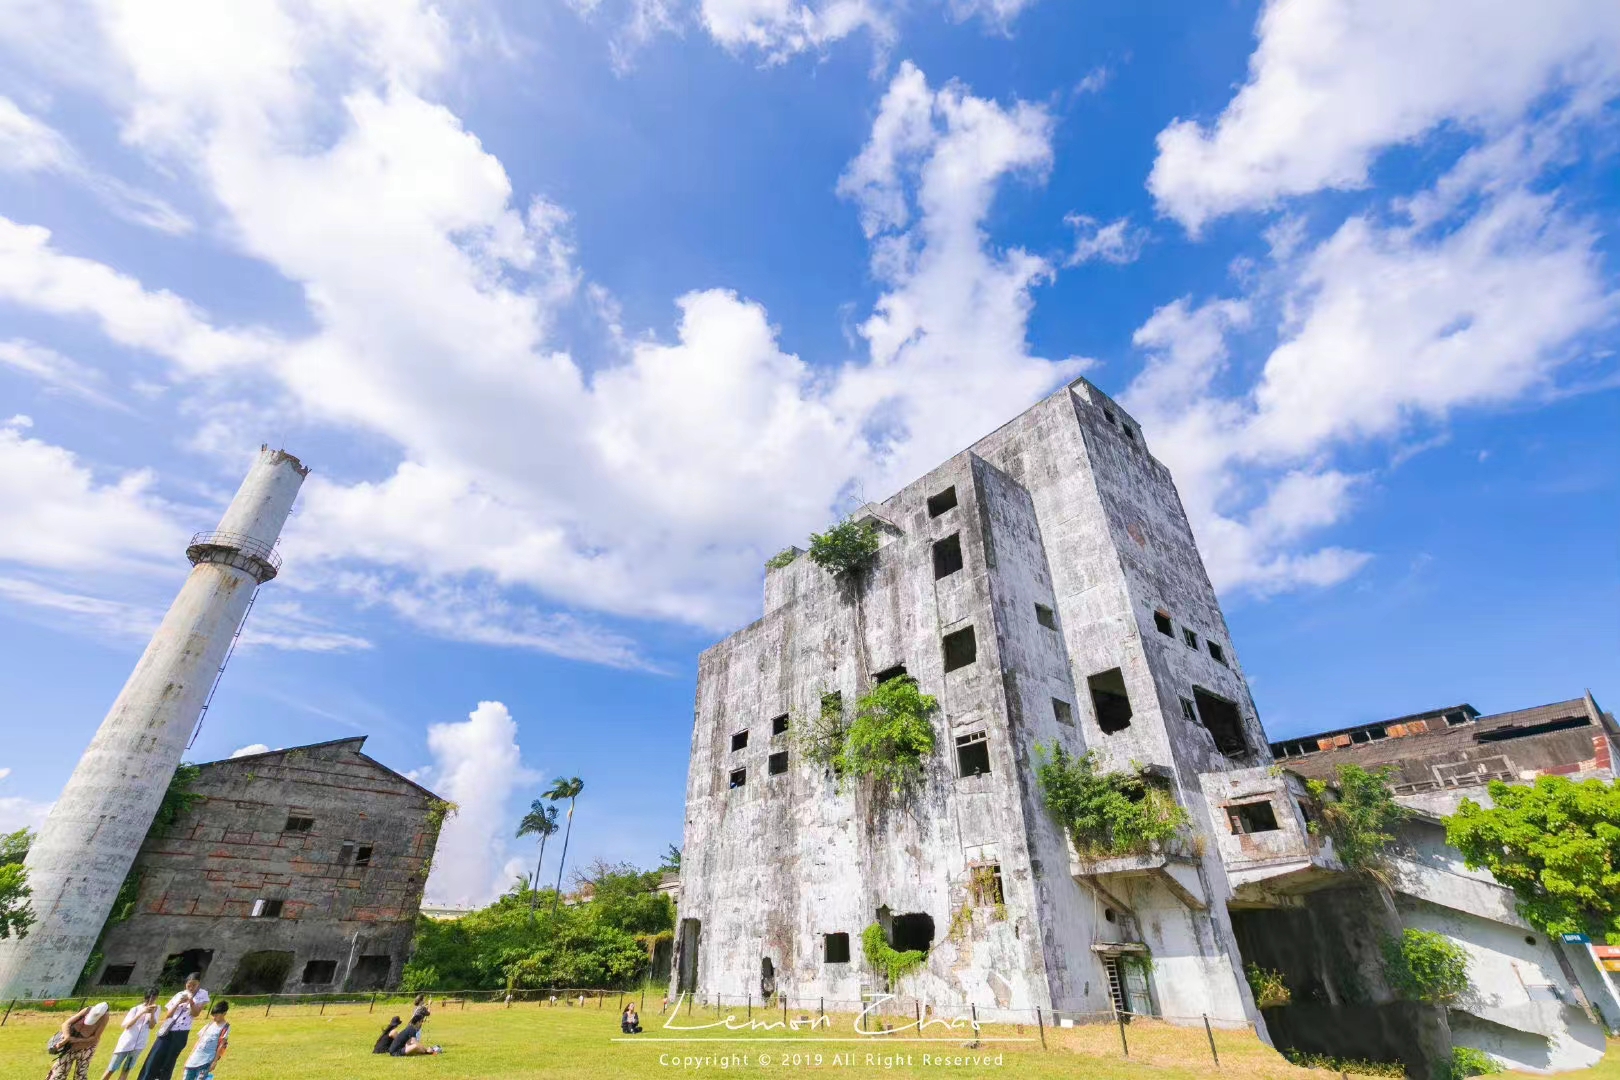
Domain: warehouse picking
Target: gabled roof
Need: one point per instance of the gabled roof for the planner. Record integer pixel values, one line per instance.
(353, 743)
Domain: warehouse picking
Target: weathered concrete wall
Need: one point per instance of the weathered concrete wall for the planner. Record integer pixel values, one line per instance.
(200, 881)
(84, 850)
(1060, 509)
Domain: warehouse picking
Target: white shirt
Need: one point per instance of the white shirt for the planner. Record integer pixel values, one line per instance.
(181, 1020)
(135, 1030)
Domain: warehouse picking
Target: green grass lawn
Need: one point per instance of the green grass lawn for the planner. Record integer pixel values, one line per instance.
(485, 1041)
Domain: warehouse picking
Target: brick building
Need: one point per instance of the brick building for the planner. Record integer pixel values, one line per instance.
(298, 870)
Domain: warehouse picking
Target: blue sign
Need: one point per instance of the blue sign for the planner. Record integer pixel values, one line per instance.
(1577, 939)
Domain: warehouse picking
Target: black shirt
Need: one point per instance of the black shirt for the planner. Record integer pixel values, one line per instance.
(406, 1034)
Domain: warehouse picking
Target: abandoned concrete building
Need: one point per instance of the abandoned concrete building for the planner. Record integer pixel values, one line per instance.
(1044, 585)
(297, 871)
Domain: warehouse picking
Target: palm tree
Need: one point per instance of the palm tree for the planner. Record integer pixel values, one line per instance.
(564, 788)
(541, 821)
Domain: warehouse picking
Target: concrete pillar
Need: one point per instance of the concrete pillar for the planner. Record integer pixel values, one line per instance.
(84, 851)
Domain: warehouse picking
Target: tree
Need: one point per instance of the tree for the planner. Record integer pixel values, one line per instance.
(1556, 844)
(16, 910)
(891, 735)
(846, 548)
(672, 860)
(1422, 965)
(1105, 813)
(564, 788)
(1362, 816)
(541, 821)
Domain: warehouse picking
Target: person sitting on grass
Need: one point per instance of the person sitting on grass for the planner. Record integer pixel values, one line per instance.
(210, 1049)
(408, 1042)
(630, 1023)
(384, 1041)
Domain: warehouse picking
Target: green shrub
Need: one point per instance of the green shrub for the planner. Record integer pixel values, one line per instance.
(1359, 813)
(1424, 966)
(845, 548)
(1118, 813)
(821, 738)
(891, 735)
(782, 558)
(1268, 987)
(1359, 1066)
(884, 957)
(1466, 1062)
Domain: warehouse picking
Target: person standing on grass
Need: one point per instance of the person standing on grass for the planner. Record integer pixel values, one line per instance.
(80, 1035)
(210, 1044)
(137, 1026)
(175, 1029)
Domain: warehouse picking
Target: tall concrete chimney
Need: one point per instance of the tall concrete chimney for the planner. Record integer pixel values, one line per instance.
(84, 851)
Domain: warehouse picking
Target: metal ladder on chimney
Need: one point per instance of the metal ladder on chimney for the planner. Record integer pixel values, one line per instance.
(220, 674)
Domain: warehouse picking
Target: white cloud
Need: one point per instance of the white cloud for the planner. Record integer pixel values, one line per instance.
(1334, 82)
(1115, 242)
(250, 749)
(476, 765)
(17, 812)
(58, 372)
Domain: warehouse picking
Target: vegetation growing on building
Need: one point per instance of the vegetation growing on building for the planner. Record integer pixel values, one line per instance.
(893, 732)
(1269, 988)
(1105, 814)
(821, 738)
(894, 964)
(1466, 1062)
(1556, 844)
(846, 547)
(782, 558)
(16, 909)
(1345, 1066)
(1359, 814)
(1422, 965)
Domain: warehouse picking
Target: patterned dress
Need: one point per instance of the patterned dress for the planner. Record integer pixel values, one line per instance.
(75, 1063)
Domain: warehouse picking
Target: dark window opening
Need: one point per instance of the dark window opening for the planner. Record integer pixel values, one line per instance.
(262, 972)
(362, 855)
(320, 972)
(1223, 721)
(1063, 711)
(739, 777)
(345, 853)
(1360, 737)
(1108, 913)
(985, 884)
(1252, 817)
(945, 500)
(767, 977)
(835, 948)
(779, 724)
(266, 909)
(947, 556)
(298, 824)
(738, 741)
(1377, 733)
(1190, 638)
(1129, 434)
(1161, 623)
(1216, 653)
(117, 974)
(960, 649)
(1455, 718)
(972, 754)
(370, 973)
(1108, 698)
(176, 966)
(1502, 734)
(911, 932)
(776, 764)
(1187, 711)
(1108, 414)
(1045, 617)
(896, 672)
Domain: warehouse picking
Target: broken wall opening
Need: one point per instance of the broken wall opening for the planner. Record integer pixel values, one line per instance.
(972, 754)
(371, 973)
(1223, 721)
(1110, 701)
(961, 649)
(948, 556)
(262, 972)
(176, 966)
(912, 931)
(1252, 817)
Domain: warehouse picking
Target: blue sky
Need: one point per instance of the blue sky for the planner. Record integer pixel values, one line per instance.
(580, 309)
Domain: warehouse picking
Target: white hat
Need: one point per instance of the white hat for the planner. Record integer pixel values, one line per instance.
(97, 1011)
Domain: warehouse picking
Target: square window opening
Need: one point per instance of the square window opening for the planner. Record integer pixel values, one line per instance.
(984, 883)
(320, 972)
(1187, 711)
(835, 948)
(1045, 616)
(739, 741)
(961, 649)
(1129, 434)
(1190, 638)
(266, 909)
(298, 824)
(117, 974)
(1108, 698)
(1063, 712)
(1108, 414)
(1377, 733)
(362, 855)
(1223, 721)
(1360, 737)
(914, 930)
(779, 725)
(739, 777)
(945, 500)
(1216, 653)
(947, 556)
(1253, 817)
(896, 672)
(1455, 718)
(777, 763)
(345, 853)
(972, 754)
(1161, 623)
